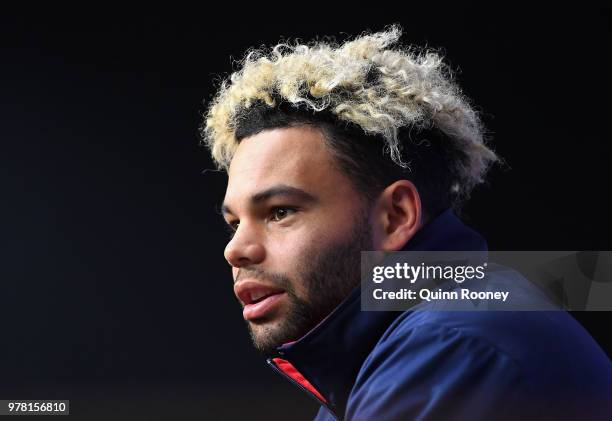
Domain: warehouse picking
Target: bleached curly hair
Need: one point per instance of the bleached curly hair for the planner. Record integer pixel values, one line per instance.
(363, 81)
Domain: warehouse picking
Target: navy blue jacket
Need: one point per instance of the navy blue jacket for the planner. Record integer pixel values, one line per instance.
(449, 365)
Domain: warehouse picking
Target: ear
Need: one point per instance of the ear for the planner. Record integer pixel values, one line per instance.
(396, 216)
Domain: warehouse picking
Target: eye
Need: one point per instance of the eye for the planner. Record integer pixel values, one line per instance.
(281, 212)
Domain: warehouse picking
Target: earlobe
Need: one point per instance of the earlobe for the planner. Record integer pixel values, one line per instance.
(397, 216)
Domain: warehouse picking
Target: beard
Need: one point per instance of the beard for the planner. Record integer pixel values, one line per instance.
(329, 276)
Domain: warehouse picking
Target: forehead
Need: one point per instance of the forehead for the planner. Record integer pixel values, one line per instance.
(295, 156)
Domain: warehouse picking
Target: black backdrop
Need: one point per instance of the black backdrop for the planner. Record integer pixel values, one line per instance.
(115, 293)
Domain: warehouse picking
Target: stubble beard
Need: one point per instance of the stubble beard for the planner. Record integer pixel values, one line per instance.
(329, 275)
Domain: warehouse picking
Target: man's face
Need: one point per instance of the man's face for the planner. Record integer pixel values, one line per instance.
(300, 226)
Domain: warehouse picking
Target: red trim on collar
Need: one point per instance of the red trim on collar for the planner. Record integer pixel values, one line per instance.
(292, 372)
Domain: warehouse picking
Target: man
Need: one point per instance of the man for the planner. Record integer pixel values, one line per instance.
(335, 149)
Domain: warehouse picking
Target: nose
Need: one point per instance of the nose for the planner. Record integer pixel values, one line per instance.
(245, 248)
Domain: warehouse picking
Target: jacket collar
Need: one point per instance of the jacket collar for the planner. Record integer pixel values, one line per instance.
(330, 355)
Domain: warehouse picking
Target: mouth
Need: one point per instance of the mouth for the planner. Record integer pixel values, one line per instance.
(263, 306)
(259, 300)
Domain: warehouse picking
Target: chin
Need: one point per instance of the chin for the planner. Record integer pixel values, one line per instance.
(267, 335)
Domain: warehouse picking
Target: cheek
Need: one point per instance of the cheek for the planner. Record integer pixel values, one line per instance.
(294, 245)
(291, 257)
(290, 249)
(284, 255)
(293, 252)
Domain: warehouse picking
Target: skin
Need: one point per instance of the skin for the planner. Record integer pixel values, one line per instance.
(310, 244)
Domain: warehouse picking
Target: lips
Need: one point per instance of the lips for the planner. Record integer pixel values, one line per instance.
(258, 299)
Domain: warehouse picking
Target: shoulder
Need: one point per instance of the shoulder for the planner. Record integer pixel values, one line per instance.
(542, 344)
(425, 372)
(477, 363)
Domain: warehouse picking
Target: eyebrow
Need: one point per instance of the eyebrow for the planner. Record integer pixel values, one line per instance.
(275, 191)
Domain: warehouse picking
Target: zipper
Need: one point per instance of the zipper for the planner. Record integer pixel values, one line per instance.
(302, 388)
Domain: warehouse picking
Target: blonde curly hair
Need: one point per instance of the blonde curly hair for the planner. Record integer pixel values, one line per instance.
(362, 81)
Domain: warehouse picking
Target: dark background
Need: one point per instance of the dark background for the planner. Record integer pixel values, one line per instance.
(115, 293)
